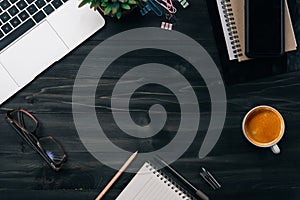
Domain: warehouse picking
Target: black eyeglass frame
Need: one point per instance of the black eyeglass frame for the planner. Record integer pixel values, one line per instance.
(32, 140)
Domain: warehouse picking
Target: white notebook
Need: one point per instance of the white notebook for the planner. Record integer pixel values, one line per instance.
(151, 184)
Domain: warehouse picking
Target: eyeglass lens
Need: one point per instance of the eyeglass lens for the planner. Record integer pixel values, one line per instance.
(25, 120)
(52, 149)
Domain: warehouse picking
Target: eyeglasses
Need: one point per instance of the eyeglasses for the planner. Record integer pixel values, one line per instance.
(26, 125)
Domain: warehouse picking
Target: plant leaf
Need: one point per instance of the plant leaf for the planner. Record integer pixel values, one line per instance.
(132, 2)
(119, 14)
(125, 6)
(107, 9)
(94, 3)
(83, 2)
(115, 8)
(103, 4)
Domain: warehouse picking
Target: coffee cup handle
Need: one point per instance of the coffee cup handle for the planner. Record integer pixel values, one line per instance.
(275, 149)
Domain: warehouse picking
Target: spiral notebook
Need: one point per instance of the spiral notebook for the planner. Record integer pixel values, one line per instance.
(232, 19)
(152, 184)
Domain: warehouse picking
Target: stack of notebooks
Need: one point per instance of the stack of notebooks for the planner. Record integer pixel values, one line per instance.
(233, 23)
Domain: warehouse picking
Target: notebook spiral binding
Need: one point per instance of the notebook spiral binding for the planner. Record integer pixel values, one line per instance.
(170, 182)
(232, 29)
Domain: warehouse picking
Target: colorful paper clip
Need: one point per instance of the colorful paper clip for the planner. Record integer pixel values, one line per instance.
(184, 3)
(166, 26)
(154, 8)
(169, 6)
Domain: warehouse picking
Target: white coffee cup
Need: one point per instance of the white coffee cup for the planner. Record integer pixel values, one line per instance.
(264, 126)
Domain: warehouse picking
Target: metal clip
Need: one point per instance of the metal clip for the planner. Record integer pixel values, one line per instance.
(206, 175)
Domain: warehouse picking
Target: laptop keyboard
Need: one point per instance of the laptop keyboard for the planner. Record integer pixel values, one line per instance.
(18, 16)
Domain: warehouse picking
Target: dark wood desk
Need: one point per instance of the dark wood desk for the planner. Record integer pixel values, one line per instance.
(245, 171)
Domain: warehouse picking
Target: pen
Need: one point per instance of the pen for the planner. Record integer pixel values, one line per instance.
(198, 192)
(118, 174)
(211, 178)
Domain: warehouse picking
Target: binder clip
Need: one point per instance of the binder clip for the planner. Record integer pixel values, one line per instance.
(149, 6)
(166, 26)
(169, 23)
(145, 10)
(170, 18)
(184, 3)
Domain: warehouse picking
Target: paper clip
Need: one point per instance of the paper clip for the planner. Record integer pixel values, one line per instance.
(166, 26)
(154, 8)
(169, 6)
(184, 3)
(206, 175)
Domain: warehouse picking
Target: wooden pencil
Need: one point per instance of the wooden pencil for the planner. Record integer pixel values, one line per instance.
(117, 175)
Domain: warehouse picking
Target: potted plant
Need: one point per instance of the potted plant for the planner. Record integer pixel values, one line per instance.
(113, 8)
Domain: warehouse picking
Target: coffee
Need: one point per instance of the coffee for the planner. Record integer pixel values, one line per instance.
(263, 126)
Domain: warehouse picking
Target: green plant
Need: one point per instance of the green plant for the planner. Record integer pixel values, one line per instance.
(113, 8)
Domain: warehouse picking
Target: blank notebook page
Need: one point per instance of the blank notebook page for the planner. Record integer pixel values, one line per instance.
(150, 184)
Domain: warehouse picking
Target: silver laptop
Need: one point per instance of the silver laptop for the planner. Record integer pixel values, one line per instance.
(36, 33)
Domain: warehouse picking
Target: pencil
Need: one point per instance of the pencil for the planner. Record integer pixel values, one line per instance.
(117, 175)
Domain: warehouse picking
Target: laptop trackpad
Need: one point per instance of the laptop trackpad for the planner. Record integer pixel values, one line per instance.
(74, 25)
(8, 86)
(32, 54)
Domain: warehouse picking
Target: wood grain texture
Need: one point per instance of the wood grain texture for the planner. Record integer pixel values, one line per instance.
(245, 172)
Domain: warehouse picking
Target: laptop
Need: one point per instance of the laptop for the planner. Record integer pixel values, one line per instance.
(36, 33)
